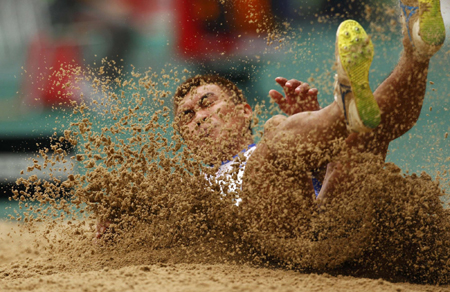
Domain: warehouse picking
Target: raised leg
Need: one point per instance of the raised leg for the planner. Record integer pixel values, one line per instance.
(307, 141)
(400, 97)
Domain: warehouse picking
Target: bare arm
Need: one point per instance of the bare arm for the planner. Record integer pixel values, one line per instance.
(298, 144)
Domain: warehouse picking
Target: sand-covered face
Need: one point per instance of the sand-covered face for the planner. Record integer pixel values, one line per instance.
(207, 116)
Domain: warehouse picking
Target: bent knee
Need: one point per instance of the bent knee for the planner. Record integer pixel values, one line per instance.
(273, 123)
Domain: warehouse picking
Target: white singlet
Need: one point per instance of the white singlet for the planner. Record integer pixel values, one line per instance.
(225, 170)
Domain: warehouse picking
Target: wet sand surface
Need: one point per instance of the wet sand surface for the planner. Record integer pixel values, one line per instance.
(24, 268)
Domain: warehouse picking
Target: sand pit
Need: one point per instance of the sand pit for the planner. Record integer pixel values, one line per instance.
(170, 227)
(26, 268)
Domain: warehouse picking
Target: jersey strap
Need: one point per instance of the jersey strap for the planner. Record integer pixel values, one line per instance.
(245, 150)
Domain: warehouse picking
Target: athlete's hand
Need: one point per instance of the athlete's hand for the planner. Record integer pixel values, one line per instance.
(299, 96)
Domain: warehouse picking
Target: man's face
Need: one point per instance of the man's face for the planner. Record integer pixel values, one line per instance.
(207, 116)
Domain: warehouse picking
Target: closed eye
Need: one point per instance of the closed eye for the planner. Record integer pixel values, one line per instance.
(186, 116)
(206, 100)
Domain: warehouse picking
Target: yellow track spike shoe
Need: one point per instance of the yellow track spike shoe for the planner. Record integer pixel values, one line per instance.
(354, 54)
(423, 22)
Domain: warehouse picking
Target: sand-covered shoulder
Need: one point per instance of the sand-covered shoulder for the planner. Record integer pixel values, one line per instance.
(24, 268)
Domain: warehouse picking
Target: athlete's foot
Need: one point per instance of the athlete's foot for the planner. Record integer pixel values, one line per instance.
(423, 26)
(354, 54)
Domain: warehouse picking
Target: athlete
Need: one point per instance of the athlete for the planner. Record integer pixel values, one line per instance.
(214, 118)
(212, 115)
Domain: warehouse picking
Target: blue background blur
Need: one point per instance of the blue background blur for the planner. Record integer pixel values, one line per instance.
(201, 36)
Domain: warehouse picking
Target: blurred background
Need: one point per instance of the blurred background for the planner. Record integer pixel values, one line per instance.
(248, 41)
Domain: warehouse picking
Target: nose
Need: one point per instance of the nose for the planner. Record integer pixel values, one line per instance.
(200, 117)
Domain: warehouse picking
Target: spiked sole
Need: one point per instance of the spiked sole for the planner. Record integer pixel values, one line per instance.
(432, 29)
(355, 51)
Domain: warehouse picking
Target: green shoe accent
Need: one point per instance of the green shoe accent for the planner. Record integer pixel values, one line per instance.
(355, 51)
(431, 24)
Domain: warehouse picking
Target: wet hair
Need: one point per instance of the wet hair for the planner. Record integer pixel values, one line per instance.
(229, 87)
